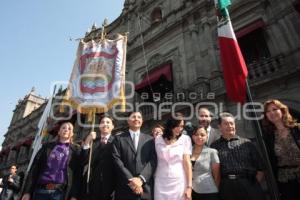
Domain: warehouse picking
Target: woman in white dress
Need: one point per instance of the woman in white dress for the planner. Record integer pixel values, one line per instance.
(173, 177)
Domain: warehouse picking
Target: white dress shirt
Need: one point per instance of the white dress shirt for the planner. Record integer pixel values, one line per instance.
(135, 134)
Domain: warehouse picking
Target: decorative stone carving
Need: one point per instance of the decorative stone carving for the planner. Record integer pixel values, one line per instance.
(155, 60)
(216, 81)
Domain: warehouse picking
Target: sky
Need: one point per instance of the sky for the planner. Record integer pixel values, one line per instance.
(35, 45)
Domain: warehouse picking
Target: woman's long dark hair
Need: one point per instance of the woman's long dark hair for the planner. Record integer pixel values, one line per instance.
(172, 123)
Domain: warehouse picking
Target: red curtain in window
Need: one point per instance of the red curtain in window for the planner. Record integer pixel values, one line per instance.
(154, 75)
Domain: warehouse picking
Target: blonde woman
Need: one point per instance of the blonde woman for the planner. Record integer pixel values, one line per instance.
(282, 139)
(55, 169)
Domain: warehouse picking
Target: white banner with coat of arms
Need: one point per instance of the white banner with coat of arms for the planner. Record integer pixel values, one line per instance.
(98, 76)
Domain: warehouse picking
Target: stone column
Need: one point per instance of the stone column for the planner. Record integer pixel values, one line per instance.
(208, 52)
(272, 43)
(178, 81)
(196, 49)
(291, 32)
(286, 33)
(279, 37)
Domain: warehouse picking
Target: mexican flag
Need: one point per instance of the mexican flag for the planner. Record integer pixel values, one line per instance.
(234, 67)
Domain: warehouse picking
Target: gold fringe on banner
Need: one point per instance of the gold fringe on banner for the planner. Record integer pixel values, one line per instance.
(97, 109)
(90, 109)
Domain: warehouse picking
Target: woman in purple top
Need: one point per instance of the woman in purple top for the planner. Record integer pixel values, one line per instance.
(53, 173)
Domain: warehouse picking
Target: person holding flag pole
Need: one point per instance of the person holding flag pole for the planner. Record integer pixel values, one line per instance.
(102, 171)
(97, 81)
(235, 77)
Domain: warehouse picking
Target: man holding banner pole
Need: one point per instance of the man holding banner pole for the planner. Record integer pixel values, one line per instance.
(97, 81)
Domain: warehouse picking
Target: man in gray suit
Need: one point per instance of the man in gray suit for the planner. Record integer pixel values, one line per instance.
(135, 160)
(204, 117)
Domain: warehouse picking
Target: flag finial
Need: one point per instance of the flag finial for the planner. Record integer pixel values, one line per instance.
(222, 8)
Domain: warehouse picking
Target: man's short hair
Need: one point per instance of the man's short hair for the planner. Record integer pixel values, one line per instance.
(14, 165)
(224, 115)
(134, 111)
(204, 108)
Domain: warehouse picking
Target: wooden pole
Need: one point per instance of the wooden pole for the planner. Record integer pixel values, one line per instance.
(91, 152)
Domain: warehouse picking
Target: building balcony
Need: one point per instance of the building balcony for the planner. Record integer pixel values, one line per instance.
(266, 69)
(259, 72)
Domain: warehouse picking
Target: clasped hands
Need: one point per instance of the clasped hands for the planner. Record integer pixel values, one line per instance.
(136, 185)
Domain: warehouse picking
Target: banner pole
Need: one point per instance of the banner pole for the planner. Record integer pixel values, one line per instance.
(91, 152)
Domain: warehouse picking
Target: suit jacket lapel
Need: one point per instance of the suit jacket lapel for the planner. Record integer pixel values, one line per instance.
(141, 141)
(110, 139)
(129, 141)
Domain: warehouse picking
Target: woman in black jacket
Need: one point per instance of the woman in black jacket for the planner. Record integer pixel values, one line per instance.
(55, 169)
(282, 139)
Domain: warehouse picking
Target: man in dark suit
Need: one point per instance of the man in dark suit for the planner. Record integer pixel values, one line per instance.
(102, 177)
(10, 185)
(135, 161)
(204, 117)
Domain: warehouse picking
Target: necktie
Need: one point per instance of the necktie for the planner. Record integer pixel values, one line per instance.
(103, 140)
(135, 142)
(208, 134)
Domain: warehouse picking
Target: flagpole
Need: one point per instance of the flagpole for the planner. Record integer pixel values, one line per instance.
(235, 72)
(40, 131)
(271, 181)
(90, 153)
(103, 34)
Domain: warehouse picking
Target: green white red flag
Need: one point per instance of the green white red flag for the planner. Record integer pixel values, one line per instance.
(234, 67)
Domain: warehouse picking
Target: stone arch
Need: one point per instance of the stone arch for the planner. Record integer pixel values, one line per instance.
(156, 15)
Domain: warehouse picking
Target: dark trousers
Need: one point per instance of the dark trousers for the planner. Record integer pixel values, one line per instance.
(96, 194)
(42, 194)
(289, 190)
(205, 196)
(240, 189)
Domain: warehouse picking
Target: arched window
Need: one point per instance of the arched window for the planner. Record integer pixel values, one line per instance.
(156, 15)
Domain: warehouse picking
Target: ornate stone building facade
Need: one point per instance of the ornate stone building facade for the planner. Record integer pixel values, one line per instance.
(173, 49)
(173, 61)
(21, 132)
